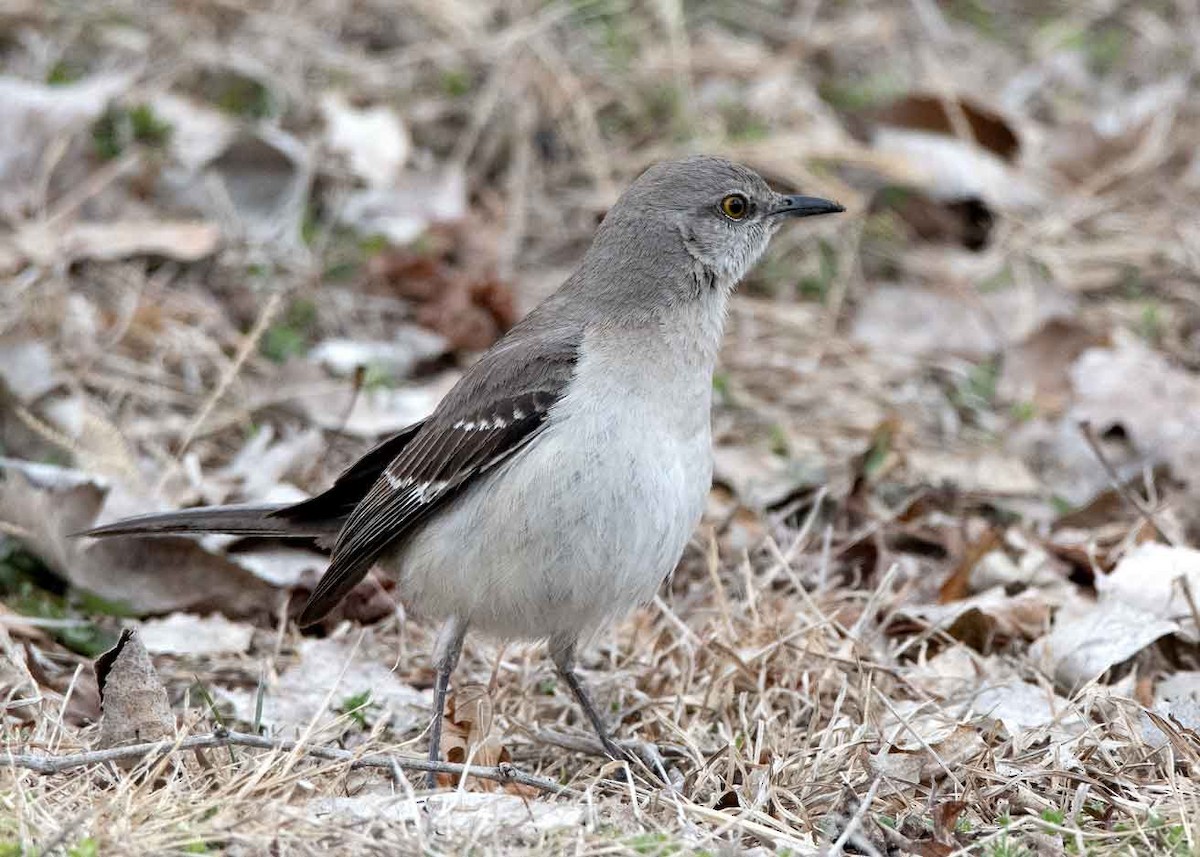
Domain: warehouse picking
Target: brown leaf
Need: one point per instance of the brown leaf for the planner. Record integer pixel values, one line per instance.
(466, 728)
(958, 584)
(132, 697)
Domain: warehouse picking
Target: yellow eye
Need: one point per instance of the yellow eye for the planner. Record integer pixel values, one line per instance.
(735, 206)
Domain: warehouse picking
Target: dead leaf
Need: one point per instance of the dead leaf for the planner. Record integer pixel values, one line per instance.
(132, 697)
(466, 733)
(411, 346)
(1037, 370)
(977, 472)
(1088, 641)
(325, 673)
(1159, 580)
(186, 634)
(928, 112)
(402, 211)
(27, 369)
(917, 321)
(377, 411)
(373, 140)
(463, 812)
(158, 575)
(1152, 400)
(34, 119)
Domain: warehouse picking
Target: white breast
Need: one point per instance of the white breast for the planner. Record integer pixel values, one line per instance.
(586, 521)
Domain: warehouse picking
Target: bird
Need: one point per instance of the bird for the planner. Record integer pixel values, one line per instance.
(557, 484)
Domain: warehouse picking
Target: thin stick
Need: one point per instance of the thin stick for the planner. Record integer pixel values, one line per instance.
(1085, 428)
(47, 764)
(265, 317)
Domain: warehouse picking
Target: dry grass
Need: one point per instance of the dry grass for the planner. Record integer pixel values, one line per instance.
(803, 701)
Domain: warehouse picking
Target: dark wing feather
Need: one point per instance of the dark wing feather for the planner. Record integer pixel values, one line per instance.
(352, 485)
(499, 406)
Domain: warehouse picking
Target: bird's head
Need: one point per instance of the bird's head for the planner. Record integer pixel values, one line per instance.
(713, 212)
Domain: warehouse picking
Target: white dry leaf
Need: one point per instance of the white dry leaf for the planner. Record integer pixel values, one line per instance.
(911, 725)
(412, 345)
(1021, 708)
(1152, 578)
(373, 140)
(760, 478)
(1176, 698)
(284, 568)
(910, 321)
(1086, 643)
(198, 133)
(403, 211)
(188, 634)
(949, 673)
(460, 812)
(35, 119)
(27, 369)
(977, 472)
(376, 411)
(1156, 403)
(326, 673)
(931, 762)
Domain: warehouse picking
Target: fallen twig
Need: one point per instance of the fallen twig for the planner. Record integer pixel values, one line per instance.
(503, 773)
(1114, 478)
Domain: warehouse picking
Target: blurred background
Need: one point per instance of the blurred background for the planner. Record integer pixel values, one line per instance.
(242, 241)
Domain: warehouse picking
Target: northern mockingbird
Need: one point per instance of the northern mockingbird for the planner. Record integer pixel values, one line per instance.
(557, 484)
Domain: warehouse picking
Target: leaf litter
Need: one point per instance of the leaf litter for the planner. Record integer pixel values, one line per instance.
(925, 614)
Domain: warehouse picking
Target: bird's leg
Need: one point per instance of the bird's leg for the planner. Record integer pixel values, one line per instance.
(445, 658)
(563, 654)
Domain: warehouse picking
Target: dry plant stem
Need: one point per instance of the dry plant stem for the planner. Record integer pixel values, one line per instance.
(46, 764)
(1147, 514)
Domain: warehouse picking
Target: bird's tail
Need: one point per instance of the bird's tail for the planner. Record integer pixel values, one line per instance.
(253, 520)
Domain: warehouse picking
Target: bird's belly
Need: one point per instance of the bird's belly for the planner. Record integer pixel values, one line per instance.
(577, 529)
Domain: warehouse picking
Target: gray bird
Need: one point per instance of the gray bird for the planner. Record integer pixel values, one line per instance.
(557, 484)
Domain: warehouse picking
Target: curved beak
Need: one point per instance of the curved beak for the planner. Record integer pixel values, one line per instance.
(804, 206)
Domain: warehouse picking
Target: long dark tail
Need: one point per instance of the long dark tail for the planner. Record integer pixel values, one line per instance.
(263, 520)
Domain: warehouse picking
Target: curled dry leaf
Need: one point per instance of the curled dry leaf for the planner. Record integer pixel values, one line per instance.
(1153, 401)
(1085, 643)
(133, 701)
(49, 504)
(1160, 580)
(466, 734)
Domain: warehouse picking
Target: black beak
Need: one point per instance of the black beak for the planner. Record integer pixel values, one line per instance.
(804, 206)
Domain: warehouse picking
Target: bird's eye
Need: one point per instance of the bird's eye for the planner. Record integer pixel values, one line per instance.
(735, 206)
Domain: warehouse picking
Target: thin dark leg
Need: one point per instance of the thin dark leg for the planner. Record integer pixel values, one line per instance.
(449, 647)
(564, 661)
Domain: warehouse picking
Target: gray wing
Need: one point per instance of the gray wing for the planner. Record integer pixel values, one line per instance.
(498, 407)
